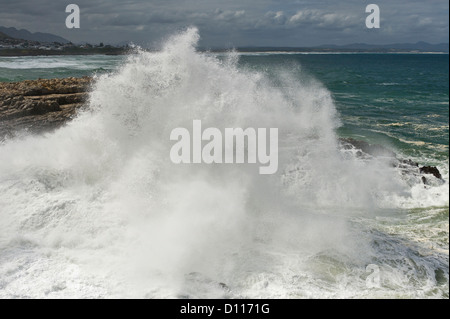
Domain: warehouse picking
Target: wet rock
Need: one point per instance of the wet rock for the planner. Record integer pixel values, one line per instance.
(431, 170)
(40, 105)
(409, 162)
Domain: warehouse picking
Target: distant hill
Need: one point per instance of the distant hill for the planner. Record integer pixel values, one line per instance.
(4, 36)
(27, 35)
(354, 47)
(419, 46)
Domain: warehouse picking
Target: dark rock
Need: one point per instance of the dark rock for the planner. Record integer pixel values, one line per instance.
(42, 107)
(33, 91)
(431, 170)
(409, 162)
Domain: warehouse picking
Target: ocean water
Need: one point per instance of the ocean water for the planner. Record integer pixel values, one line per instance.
(48, 67)
(96, 209)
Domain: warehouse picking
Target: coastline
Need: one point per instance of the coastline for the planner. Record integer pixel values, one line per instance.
(40, 105)
(38, 52)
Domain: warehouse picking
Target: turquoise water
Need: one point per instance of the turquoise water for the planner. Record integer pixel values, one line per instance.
(84, 207)
(397, 100)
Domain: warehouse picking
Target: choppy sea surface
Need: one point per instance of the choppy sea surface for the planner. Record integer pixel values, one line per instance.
(97, 209)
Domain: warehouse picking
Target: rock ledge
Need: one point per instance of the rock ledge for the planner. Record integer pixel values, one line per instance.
(40, 105)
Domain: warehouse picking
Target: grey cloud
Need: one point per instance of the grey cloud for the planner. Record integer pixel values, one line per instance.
(228, 15)
(233, 22)
(324, 19)
(278, 17)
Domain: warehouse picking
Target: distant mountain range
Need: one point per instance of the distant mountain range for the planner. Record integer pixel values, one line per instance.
(355, 47)
(27, 35)
(4, 36)
(358, 47)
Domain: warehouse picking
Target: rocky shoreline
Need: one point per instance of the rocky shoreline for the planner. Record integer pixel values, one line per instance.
(40, 105)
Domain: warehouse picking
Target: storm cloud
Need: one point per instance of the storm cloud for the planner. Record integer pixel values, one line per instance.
(234, 23)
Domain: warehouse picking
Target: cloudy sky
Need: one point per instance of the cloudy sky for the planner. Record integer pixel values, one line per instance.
(227, 23)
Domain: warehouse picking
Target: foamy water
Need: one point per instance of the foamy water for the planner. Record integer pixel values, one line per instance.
(54, 62)
(97, 209)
